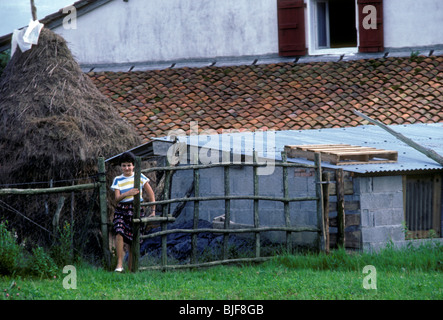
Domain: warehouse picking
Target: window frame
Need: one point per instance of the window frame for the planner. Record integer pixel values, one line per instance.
(313, 48)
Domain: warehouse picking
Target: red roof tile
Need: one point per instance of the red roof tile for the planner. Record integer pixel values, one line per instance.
(280, 96)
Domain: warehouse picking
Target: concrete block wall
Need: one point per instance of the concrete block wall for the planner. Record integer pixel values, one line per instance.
(381, 205)
(271, 213)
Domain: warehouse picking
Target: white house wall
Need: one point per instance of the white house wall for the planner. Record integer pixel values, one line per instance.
(163, 30)
(412, 23)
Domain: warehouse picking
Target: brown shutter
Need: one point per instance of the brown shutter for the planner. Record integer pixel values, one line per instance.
(291, 27)
(371, 40)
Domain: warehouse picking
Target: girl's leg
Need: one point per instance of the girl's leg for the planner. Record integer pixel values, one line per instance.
(120, 250)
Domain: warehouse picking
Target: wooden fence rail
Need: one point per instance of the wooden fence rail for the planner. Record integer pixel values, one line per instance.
(227, 197)
(100, 184)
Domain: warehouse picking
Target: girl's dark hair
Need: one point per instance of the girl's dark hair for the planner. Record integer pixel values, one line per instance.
(127, 157)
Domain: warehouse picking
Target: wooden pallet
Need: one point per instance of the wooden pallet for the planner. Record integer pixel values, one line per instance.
(342, 154)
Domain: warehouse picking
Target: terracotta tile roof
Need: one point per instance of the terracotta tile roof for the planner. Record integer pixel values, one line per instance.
(281, 96)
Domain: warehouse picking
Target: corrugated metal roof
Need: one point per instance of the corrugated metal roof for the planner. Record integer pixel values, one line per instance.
(270, 144)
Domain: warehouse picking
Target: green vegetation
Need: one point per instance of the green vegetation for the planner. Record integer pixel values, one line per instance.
(411, 273)
(16, 260)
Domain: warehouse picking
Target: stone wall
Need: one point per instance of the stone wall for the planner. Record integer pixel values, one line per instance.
(381, 206)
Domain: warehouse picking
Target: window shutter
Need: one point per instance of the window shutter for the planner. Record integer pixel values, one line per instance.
(370, 25)
(291, 27)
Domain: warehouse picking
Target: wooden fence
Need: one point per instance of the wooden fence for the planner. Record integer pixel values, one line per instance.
(165, 218)
(100, 184)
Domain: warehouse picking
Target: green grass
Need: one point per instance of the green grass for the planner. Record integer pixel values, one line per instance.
(413, 273)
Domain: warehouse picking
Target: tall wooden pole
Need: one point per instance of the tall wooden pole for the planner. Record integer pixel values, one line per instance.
(135, 247)
(340, 192)
(33, 10)
(320, 209)
(104, 212)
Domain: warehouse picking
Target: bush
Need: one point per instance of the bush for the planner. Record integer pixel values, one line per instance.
(10, 251)
(41, 264)
(15, 260)
(61, 251)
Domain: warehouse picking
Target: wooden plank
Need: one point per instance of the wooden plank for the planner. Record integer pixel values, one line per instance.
(256, 214)
(340, 154)
(207, 264)
(320, 208)
(196, 212)
(246, 230)
(79, 187)
(426, 151)
(340, 207)
(353, 239)
(436, 205)
(165, 213)
(227, 217)
(135, 245)
(349, 205)
(104, 212)
(327, 179)
(350, 220)
(286, 203)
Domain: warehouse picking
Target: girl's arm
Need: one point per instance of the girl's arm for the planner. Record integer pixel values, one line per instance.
(119, 197)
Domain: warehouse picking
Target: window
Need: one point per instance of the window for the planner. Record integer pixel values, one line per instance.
(422, 205)
(333, 26)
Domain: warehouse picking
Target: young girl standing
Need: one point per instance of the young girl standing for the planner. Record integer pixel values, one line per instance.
(124, 192)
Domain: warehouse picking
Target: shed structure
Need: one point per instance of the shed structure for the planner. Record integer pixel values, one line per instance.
(395, 200)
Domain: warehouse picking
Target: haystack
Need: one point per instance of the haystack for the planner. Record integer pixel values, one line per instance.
(54, 123)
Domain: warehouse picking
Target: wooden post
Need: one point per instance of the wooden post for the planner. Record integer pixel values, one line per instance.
(104, 212)
(165, 212)
(135, 247)
(340, 192)
(196, 212)
(256, 213)
(33, 10)
(326, 187)
(227, 212)
(320, 209)
(286, 203)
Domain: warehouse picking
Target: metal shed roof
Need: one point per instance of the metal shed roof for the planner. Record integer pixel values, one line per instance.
(270, 144)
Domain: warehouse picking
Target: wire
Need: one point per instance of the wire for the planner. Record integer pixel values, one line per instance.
(6, 206)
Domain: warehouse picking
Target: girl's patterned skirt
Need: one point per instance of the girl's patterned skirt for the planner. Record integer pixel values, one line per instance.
(122, 223)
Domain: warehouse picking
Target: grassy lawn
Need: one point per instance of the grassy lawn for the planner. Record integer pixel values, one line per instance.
(405, 274)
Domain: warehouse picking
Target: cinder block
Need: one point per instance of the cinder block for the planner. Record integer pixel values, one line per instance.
(382, 234)
(375, 201)
(367, 218)
(365, 184)
(392, 217)
(387, 184)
